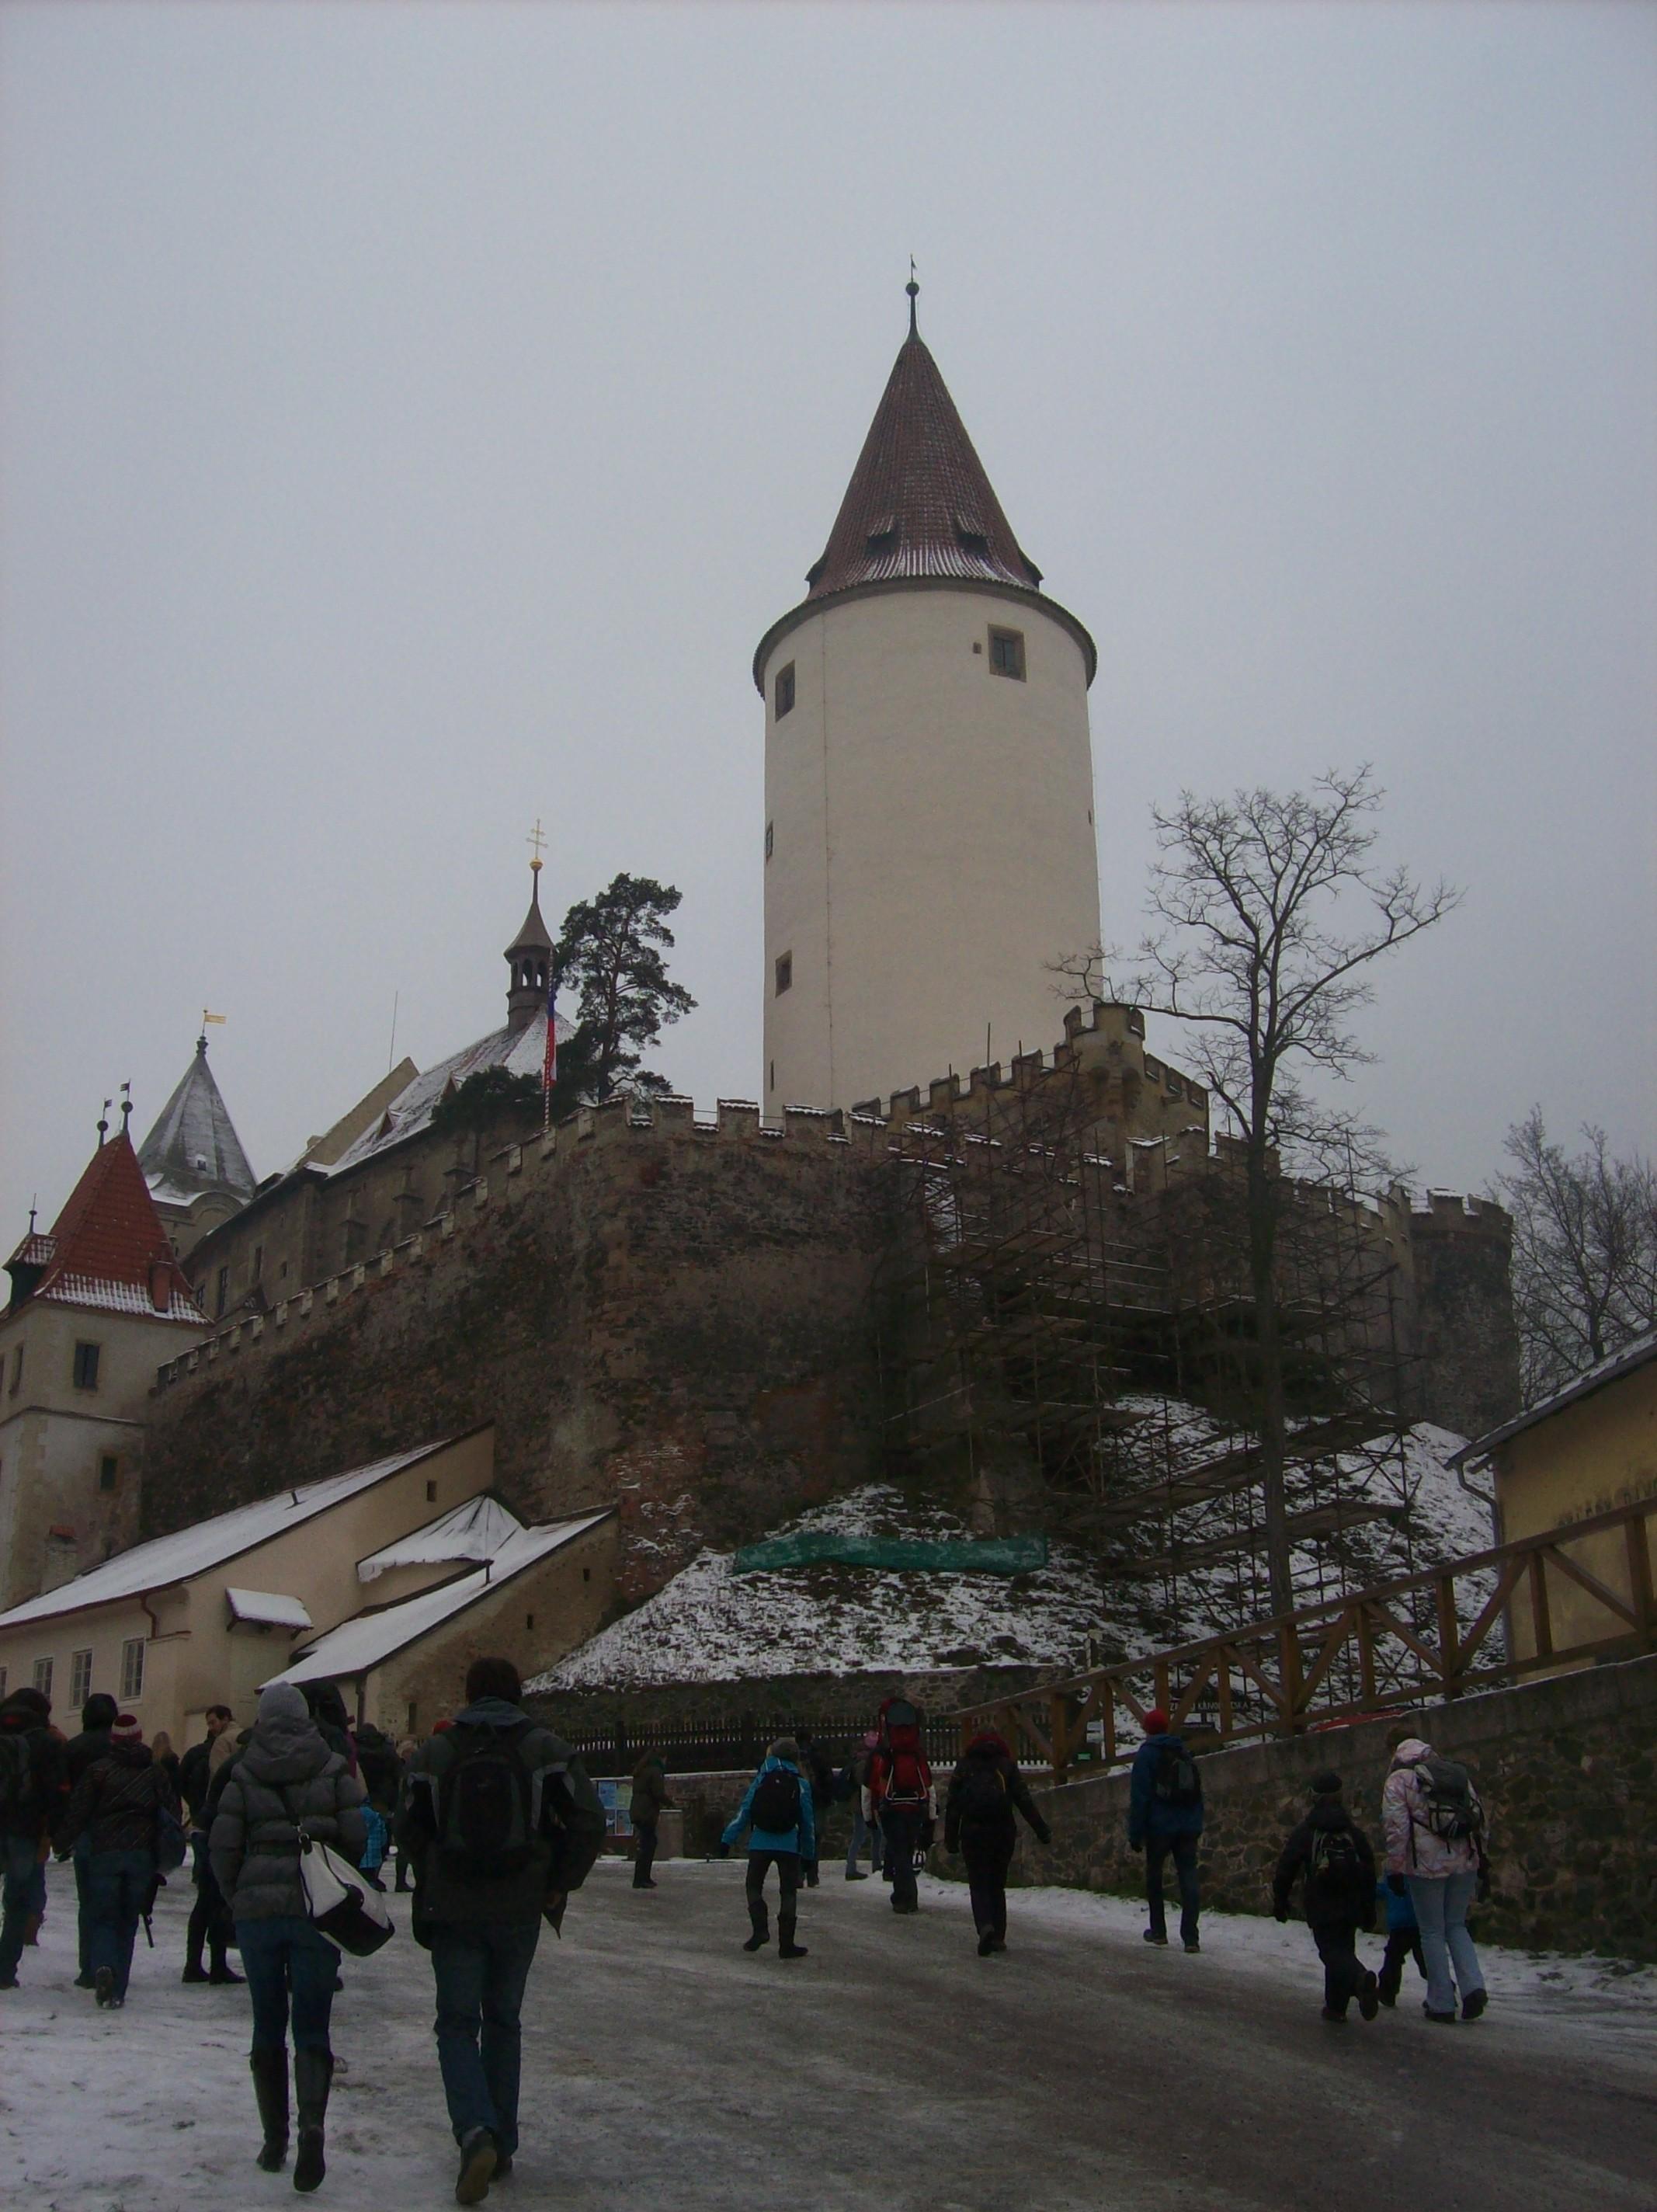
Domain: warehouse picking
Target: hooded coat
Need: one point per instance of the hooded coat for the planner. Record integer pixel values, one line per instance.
(1328, 1902)
(287, 1775)
(46, 1785)
(802, 1839)
(1148, 1815)
(1412, 1847)
(988, 1752)
(649, 1798)
(116, 1801)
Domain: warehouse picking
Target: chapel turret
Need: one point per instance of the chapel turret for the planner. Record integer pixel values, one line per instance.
(529, 959)
(929, 837)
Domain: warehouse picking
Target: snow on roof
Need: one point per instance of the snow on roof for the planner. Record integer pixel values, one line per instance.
(371, 1638)
(1609, 1370)
(267, 1609)
(521, 1052)
(477, 1531)
(121, 1297)
(168, 1559)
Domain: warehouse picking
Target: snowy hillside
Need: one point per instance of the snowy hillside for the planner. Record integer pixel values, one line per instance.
(711, 1624)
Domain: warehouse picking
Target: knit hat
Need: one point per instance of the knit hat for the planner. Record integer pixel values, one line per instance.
(784, 1747)
(126, 1727)
(1326, 1784)
(282, 1701)
(1156, 1722)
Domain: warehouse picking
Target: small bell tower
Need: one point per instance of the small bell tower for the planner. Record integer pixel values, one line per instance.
(529, 957)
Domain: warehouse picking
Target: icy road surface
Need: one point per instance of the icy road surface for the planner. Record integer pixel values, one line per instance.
(892, 2069)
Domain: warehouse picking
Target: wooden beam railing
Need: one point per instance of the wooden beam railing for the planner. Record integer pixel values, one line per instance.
(1399, 1644)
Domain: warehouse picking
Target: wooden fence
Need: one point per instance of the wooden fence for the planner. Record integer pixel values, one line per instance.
(1536, 1606)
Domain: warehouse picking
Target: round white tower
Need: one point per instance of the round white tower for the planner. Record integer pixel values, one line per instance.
(928, 842)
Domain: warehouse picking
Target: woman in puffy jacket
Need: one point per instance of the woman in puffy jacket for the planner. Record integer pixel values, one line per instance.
(1441, 1873)
(286, 1776)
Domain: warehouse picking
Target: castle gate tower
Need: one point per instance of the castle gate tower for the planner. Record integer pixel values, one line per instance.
(928, 777)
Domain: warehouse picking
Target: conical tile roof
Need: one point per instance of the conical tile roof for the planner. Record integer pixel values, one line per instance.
(107, 1248)
(193, 1147)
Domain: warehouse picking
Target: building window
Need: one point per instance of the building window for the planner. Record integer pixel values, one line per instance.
(769, 840)
(1007, 652)
(85, 1366)
(79, 1677)
(414, 1714)
(108, 1468)
(16, 1368)
(132, 1669)
(529, 1620)
(587, 1576)
(43, 1678)
(431, 1494)
(785, 973)
(258, 1262)
(784, 692)
(223, 1290)
(774, 1075)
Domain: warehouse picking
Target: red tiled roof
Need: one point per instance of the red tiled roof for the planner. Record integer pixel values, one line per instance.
(919, 503)
(107, 1247)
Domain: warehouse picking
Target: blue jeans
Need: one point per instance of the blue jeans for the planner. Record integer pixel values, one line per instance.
(1440, 1903)
(865, 1834)
(118, 1890)
(19, 1856)
(284, 1955)
(481, 1973)
(1182, 1850)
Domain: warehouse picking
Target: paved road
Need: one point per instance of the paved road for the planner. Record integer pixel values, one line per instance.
(892, 2069)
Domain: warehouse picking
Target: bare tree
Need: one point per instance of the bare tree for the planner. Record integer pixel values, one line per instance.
(1268, 914)
(1585, 1252)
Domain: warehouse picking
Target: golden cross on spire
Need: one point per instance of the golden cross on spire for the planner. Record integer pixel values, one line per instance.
(535, 840)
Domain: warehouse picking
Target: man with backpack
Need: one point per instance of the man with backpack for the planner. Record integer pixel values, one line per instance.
(501, 1822)
(776, 1812)
(985, 1790)
(1165, 1818)
(1334, 1855)
(1436, 1840)
(124, 1806)
(899, 1794)
(33, 1784)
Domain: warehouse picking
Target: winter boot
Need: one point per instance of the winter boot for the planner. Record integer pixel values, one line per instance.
(787, 1947)
(986, 1941)
(479, 2160)
(1368, 1996)
(761, 1920)
(1473, 2004)
(194, 1971)
(313, 2072)
(223, 1975)
(270, 2071)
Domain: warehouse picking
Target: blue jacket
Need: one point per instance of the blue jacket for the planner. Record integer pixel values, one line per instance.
(1400, 1910)
(803, 1838)
(1146, 1815)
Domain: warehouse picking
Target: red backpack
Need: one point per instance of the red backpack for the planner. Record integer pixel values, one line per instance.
(907, 1777)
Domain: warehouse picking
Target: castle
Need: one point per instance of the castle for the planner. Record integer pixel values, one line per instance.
(711, 1319)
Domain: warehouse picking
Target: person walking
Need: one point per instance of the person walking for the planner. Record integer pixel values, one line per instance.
(1165, 1818)
(502, 1823)
(985, 1791)
(1436, 1851)
(1335, 1858)
(406, 1748)
(900, 1794)
(776, 1814)
(97, 1717)
(118, 1805)
(34, 1785)
(286, 1777)
(209, 1924)
(650, 1801)
(866, 1830)
(818, 1770)
(1403, 1940)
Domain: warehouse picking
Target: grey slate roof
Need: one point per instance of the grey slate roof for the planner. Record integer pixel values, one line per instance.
(193, 1147)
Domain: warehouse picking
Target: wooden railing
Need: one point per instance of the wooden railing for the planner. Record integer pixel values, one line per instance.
(1534, 1606)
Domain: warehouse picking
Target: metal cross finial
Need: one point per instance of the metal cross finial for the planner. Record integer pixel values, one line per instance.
(535, 840)
(914, 290)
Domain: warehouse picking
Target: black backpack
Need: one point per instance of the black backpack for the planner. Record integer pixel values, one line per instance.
(776, 1802)
(16, 1773)
(1454, 1812)
(1335, 1870)
(983, 1792)
(1176, 1782)
(484, 1827)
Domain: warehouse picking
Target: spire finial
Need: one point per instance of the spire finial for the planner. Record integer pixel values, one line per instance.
(535, 841)
(127, 1106)
(913, 288)
(103, 1124)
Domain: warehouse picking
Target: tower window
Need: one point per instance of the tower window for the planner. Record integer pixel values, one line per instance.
(16, 1368)
(223, 1289)
(85, 1366)
(784, 692)
(774, 1075)
(108, 1468)
(1007, 652)
(785, 973)
(770, 839)
(258, 1262)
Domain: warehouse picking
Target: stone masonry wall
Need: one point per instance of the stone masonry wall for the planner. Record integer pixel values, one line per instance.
(1567, 1769)
(669, 1317)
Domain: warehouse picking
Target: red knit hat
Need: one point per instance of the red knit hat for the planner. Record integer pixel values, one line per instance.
(126, 1727)
(1156, 1722)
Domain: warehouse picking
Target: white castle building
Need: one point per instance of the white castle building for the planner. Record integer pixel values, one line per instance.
(929, 839)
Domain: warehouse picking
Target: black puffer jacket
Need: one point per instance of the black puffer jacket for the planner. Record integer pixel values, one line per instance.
(286, 1775)
(45, 1772)
(1334, 1893)
(974, 1813)
(115, 1802)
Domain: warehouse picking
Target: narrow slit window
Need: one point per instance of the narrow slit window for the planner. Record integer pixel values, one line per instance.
(785, 973)
(1007, 652)
(108, 1469)
(85, 1366)
(770, 838)
(784, 691)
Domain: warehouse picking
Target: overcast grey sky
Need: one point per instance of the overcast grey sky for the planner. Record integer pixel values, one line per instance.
(411, 417)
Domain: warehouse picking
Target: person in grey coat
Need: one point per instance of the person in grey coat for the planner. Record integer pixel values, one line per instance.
(286, 1776)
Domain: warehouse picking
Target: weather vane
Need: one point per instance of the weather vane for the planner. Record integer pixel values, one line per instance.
(913, 288)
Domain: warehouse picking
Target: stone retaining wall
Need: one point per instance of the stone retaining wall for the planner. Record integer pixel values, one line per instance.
(1566, 1769)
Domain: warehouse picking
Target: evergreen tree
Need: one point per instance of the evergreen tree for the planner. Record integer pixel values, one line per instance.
(609, 957)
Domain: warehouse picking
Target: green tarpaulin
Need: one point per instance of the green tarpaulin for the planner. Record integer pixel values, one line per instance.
(999, 1555)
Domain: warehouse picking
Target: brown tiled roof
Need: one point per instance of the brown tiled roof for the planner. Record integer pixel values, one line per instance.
(107, 1247)
(919, 503)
